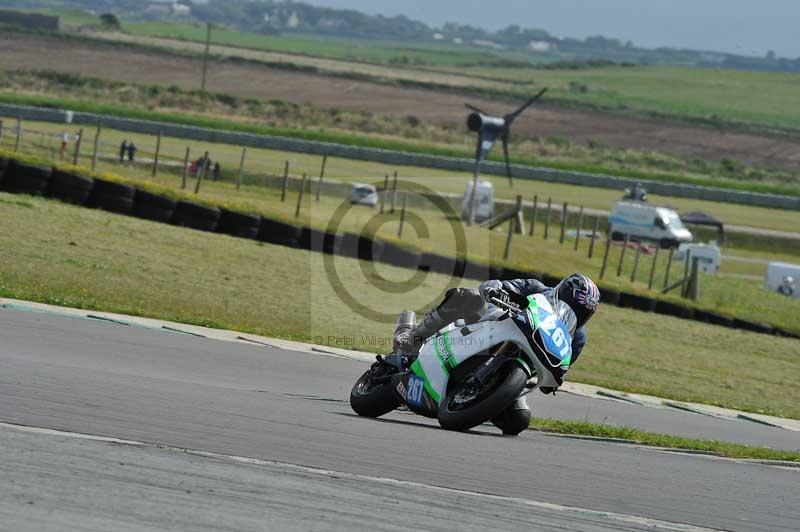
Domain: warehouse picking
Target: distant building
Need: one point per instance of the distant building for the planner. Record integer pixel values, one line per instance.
(31, 21)
(539, 46)
(488, 44)
(293, 22)
(438, 37)
(458, 40)
(182, 10)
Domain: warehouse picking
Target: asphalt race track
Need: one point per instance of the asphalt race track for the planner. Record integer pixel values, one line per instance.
(228, 436)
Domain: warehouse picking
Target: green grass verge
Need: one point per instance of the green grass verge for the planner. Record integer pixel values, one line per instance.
(653, 439)
(736, 297)
(86, 258)
(383, 143)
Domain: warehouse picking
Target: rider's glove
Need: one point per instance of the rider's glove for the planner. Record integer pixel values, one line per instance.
(490, 289)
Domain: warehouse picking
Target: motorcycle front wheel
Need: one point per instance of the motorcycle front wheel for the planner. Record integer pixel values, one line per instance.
(470, 404)
(369, 398)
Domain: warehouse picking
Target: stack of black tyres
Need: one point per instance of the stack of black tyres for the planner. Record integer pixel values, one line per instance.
(153, 207)
(23, 178)
(196, 216)
(239, 224)
(69, 187)
(280, 233)
(111, 196)
(3, 166)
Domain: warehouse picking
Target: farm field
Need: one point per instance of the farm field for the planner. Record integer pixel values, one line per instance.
(251, 79)
(260, 162)
(91, 259)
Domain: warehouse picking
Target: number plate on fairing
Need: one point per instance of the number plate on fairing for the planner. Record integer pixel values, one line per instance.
(416, 389)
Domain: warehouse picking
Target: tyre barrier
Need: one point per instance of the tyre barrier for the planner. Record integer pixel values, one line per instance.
(399, 256)
(239, 224)
(713, 318)
(22, 178)
(674, 309)
(196, 216)
(153, 207)
(70, 188)
(609, 296)
(111, 196)
(635, 301)
(278, 233)
(116, 197)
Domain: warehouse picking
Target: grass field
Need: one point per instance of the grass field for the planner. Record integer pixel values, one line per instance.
(737, 297)
(86, 258)
(260, 162)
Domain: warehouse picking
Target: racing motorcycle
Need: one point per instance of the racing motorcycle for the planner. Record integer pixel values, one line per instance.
(466, 375)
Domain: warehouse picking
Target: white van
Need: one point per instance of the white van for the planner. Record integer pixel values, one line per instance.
(645, 221)
(484, 201)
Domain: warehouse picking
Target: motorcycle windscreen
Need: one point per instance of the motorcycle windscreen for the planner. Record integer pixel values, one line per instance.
(556, 323)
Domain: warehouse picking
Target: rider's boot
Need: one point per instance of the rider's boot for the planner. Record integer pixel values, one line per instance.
(515, 418)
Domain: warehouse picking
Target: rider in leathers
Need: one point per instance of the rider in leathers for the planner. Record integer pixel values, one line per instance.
(577, 290)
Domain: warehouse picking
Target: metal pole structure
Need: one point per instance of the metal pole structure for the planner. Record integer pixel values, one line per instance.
(685, 285)
(300, 196)
(95, 148)
(394, 192)
(653, 269)
(580, 226)
(473, 193)
(185, 168)
(563, 222)
(19, 134)
(605, 258)
(533, 215)
(205, 56)
(385, 191)
(594, 236)
(669, 267)
(511, 226)
(202, 174)
(158, 151)
(547, 218)
(402, 217)
(321, 175)
(636, 261)
(622, 254)
(285, 181)
(694, 286)
(77, 153)
(241, 169)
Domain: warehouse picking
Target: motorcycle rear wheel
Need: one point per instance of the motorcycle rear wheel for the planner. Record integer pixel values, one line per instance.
(459, 412)
(371, 399)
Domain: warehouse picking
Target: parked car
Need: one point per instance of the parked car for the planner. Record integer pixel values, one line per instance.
(364, 195)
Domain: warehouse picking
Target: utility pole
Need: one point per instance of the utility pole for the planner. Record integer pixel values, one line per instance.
(205, 55)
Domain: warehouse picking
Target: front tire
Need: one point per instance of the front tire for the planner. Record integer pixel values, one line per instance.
(465, 407)
(371, 399)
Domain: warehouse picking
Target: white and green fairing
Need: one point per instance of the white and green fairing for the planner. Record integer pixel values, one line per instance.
(445, 351)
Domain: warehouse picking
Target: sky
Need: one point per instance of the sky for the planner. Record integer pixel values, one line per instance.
(746, 27)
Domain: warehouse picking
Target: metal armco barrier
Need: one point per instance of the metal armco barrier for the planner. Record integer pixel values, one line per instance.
(401, 158)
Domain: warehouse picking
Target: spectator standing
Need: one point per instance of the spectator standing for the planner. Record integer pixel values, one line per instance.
(217, 171)
(132, 152)
(123, 148)
(64, 142)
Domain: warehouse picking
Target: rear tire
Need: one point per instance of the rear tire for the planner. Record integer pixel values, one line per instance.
(453, 416)
(370, 400)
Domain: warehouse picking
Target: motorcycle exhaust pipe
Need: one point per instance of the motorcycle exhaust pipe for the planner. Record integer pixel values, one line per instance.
(405, 321)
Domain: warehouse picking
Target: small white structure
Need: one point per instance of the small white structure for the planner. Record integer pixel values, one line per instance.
(640, 219)
(364, 195)
(709, 256)
(484, 201)
(778, 271)
(539, 46)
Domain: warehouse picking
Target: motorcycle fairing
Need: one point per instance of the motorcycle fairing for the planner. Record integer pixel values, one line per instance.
(553, 334)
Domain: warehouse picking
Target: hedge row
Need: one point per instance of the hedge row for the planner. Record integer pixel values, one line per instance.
(121, 198)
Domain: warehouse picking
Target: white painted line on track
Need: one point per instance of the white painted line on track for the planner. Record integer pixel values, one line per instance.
(647, 522)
